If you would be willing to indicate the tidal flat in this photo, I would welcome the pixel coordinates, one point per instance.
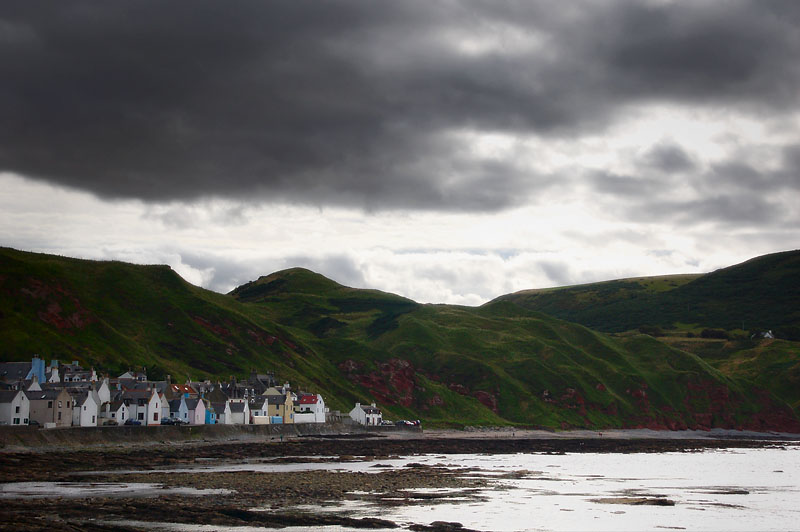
(497, 482)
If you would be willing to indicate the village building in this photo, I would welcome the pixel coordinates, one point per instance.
(144, 405)
(197, 411)
(85, 409)
(178, 409)
(14, 372)
(211, 414)
(116, 411)
(14, 408)
(223, 411)
(240, 412)
(366, 415)
(50, 407)
(259, 410)
(310, 408)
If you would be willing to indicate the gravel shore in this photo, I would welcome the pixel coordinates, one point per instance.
(296, 497)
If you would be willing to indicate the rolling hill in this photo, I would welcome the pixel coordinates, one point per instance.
(449, 365)
(759, 294)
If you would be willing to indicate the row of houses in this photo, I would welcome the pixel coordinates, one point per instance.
(62, 395)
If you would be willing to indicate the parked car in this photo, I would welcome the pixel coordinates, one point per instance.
(109, 422)
(132, 422)
(387, 423)
(34, 423)
(167, 421)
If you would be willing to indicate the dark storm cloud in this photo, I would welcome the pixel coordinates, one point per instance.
(354, 103)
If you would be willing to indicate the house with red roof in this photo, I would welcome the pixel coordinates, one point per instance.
(309, 408)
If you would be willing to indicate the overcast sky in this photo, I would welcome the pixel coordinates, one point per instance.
(447, 151)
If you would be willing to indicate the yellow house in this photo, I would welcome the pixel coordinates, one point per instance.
(280, 403)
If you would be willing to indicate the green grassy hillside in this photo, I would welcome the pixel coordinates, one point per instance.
(449, 365)
(500, 363)
(114, 316)
(761, 293)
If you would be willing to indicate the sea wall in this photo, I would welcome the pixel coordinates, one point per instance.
(30, 437)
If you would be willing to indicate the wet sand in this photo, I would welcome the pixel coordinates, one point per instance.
(264, 499)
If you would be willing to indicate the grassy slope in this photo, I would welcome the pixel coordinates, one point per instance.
(446, 364)
(496, 364)
(760, 293)
(116, 315)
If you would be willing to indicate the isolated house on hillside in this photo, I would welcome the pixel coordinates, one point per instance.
(14, 408)
(366, 415)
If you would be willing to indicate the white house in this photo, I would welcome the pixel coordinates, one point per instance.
(116, 411)
(259, 410)
(366, 415)
(310, 408)
(144, 405)
(85, 409)
(14, 407)
(240, 412)
(197, 411)
(178, 409)
(223, 411)
(103, 391)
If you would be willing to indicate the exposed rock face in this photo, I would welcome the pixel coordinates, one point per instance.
(55, 298)
(392, 382)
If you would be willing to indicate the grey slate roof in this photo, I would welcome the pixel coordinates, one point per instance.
(276, 399)
(43, 395)
(13, 371)
(6, 396)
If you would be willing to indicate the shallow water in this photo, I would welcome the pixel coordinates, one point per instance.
(28, 490)
(742, 489)
(731, 489)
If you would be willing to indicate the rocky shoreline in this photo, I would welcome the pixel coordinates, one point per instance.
(295, 498)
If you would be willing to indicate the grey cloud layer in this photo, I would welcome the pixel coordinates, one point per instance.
(352, 103)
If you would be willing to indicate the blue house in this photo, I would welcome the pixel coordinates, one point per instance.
(211, 415)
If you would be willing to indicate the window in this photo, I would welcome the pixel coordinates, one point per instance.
(59, 416)
(16, 421)
(122, 415)
(59, 404)
(113, 415)
(49, 404)
(16, 410)
(67, 404)
(141, 416)
(93, 420)
(84, 408)
(155, 416)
